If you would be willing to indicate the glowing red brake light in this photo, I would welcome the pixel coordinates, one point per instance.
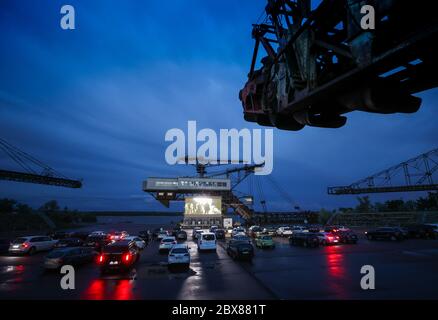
(127, 257)
(25, 245)
(101, 258)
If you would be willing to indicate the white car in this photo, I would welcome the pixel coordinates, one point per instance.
(167, 243)
(238, 230)
(198, 233)
(298, 229)
(207, 241)
(97, 234)
(162, 234)
(284, 231)
(139, 242)
(179, 255)
(32, 244)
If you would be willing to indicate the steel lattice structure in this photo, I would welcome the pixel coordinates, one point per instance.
(320, 64)
(416, 174)
(34, 171)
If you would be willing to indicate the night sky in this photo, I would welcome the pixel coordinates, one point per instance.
(96, 102)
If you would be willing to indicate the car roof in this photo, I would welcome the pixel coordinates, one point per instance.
(69, 249)
(169, 237)
(208, 233)
(31, 237)
(180, 246)
(122, 243)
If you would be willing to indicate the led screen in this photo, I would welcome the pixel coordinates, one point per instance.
(203, 205)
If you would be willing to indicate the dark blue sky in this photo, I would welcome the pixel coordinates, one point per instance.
(95, 102)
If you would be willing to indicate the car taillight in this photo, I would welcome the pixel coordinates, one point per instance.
(127, 257)
(101, 258)
(330, 238)
(25, 245)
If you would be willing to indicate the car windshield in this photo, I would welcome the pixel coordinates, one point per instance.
(115, 249)
(179, 250)
(286, 228)
(56, 254)
(19, 240)
(244, 246)
(94, 238)
(208, 237)
(168, 240)
(266, 238)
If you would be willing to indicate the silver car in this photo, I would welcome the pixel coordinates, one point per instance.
(32, 244)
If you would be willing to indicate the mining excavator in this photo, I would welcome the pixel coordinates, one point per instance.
(321, 63)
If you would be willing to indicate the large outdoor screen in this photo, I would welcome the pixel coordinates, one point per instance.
(203, 205)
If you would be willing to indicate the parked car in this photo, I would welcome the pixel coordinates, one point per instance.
(207, 241)
(69, 242)
(118, 235)
(422, 231)
(327, 238)
(241, 238)
(256, 231)
(264, 241)
(145, 235)
(315, 229)
(97, 233)
(386, 233)
(297, 229)
(83, 235)
(335, 228)
(69, 256)
(174, 231)
(305, 239)
(162, 234)
(166, 244)
(118, 256)
(435, 229)
(181, 235)
(284, 231)
(270, 231)
(213, 228)
(4, 246)
(238, 230)
(58, 235)
(197, 234)
(240, 250)
(179, 255)
(195, 229)
(32, 244)
(347, 237)
(139, 242)
(220, 233)
(156, 232)
(96, 242)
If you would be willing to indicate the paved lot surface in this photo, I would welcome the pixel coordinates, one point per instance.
(404, 270)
